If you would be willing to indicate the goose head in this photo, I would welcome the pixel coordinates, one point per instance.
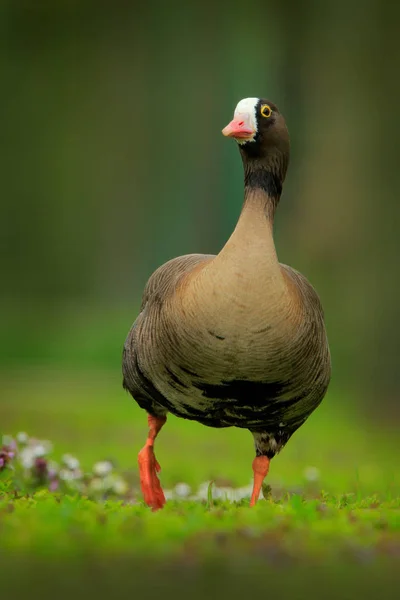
(259, 129)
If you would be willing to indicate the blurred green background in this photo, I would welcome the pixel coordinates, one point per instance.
(113, 162)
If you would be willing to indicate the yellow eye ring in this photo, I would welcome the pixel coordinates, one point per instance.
(266, 111)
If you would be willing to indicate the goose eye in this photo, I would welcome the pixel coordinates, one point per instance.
(266, 111)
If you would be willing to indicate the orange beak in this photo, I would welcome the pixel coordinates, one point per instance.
(239, 128)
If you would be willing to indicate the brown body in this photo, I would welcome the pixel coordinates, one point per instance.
(210, 324)
(235, 339)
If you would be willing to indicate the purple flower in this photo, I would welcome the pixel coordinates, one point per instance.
(53, 485)
(40, 469)
(6, 455)
(41, 466)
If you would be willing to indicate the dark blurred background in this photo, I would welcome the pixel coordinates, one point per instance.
(113, 161)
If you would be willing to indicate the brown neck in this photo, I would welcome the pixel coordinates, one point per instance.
(248, 263)
(251, 243)
(251, 246)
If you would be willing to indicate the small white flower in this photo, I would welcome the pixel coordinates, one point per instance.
(311, 473)
(70, 462)
(108, 481)
(182, 490)
(65, 475)
(39, 451)
(69, 474)
(27, 457)
(97, 484)
(22, 438)
(202, 492)
(120, 487)
(102, 468)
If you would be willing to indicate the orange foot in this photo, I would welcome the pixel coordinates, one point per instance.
(151, 487)
(260, 470)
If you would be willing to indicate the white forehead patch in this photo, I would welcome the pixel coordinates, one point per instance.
(247, 107)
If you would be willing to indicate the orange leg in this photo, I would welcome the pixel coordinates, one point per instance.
(149, 467)
(260, 469)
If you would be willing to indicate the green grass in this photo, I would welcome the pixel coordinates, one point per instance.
(328, 538)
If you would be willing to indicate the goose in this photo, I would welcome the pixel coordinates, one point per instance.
(234, 339)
